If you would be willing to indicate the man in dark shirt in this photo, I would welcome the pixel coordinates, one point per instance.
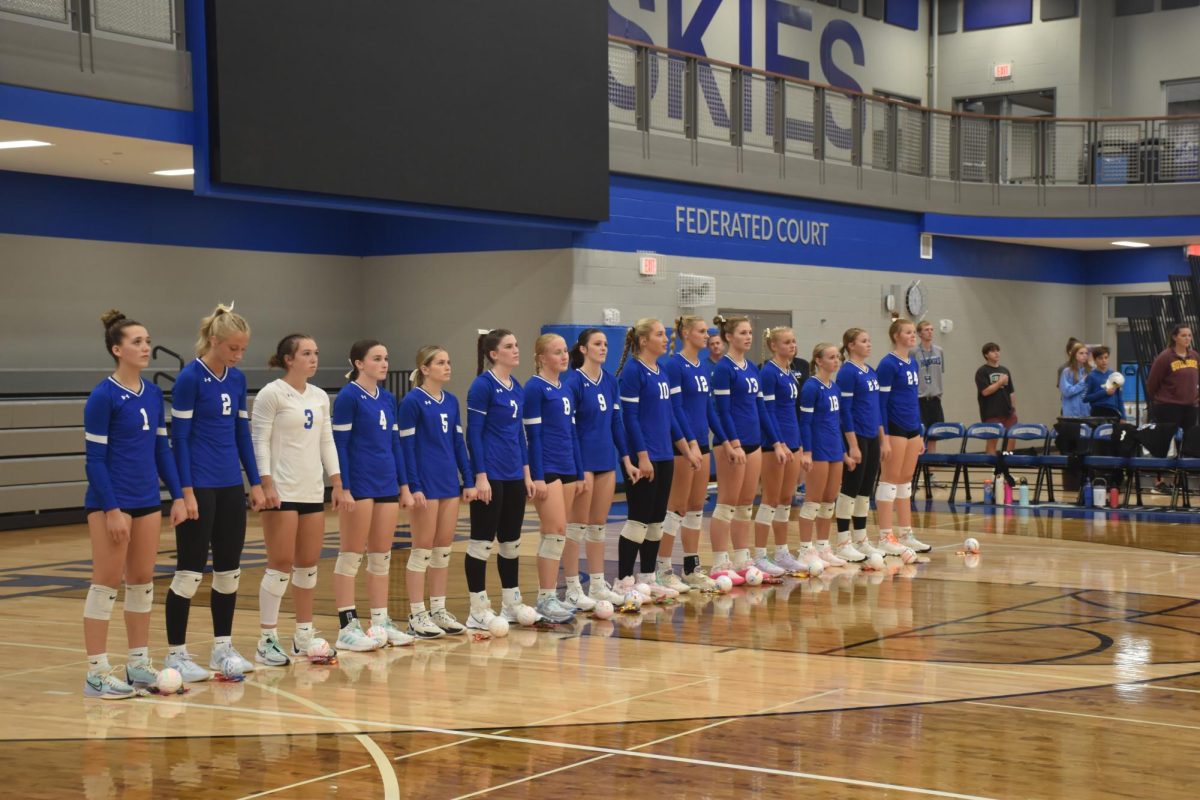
(997, 395)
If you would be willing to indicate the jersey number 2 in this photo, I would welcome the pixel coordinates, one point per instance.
(226, 405)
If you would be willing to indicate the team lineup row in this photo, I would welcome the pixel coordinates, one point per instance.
(558, 441)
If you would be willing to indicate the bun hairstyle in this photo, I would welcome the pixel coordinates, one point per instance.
(769, 337)
(897, 326)
(727, 325)
(115, 324)
(221, 323)
(585, 338)
(682, 326)
(358, 352)
(485, 345)
(424, 356)
(848, 339)
(633, 339)
(818, 351)
(285, 350)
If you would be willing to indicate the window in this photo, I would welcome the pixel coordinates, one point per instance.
(1182, 97)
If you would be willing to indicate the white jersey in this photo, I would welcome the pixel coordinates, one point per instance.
(293, 438)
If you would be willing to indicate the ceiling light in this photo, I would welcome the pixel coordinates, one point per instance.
(171, 173)
(1131, 244)
(13, 145)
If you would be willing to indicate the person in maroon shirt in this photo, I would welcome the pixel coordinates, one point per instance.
(1174, 383)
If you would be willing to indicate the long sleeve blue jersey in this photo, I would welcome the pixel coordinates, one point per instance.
(549, 419)
(821, 420)
(125, 437)
(859, 387)
(737, 392)
(650, 423)
(368, 442)
(899, 383)
(210, 428)
(494, 428)
(434, 450)
(780, 390)
(598, 420)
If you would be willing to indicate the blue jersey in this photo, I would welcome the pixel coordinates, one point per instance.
(899, 383)
(821, 420)
(598, 421)
(125, 434)
(693, 402)
(210, 428)
(860, 399)
(368, 442)
(432, 435)
(650, 423)
(780, 391)
(549, 418)
(494, 428)
(739, 400)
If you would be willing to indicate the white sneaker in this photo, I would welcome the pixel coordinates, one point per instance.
(768, 567)
(141, 674)
(480, 619)
(813, 564)
(578, 600)
(849, 553)
(890, 546)
(107, 686)
(700, 581)
(658, 592)
(625, 586)
(670, 580)
(789, 563)
(513, 612)
(601, 590)
(225, 651)
(189, 670)
(422, 626)
(302, 640)
(827, 555)
(447, 622)
(270, 653)
(353, 638)
(913, 543)
(395, 636)
(867, 549)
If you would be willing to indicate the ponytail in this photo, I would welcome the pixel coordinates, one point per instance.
(488, 342)
(358, 352)
(221, 324)
(585, 336)
(630, 345)
(633, 336)
(424, 356)
(286, 349)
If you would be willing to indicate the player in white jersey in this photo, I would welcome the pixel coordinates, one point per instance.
(293, 441)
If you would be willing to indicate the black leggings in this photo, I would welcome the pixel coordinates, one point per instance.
(647, 501)
(500, 519)
(857, 482)
(1175, 414)
(221, 526)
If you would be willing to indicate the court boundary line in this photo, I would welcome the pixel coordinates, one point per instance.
(1129, 720)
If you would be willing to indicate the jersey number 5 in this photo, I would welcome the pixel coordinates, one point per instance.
(445, 423)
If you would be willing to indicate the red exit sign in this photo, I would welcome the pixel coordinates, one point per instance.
(1002, 72)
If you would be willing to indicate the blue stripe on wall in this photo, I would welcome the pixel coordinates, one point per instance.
(980, 14)
(1151, 265)
(1110, 228)
(38, 107)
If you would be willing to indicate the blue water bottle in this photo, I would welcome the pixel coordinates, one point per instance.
(1085, 497)
(988, 490)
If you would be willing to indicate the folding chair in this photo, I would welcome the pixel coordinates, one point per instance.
(1051, 460)
(1034, 435)
(938, 432)
(979, 431)
(1093, 462)
(1138, 462)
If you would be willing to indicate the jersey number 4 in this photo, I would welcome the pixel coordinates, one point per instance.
(382, 420)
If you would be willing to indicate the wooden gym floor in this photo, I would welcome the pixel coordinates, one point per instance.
(1063, 662)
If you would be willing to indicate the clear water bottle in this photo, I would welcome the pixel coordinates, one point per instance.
(1023, 493)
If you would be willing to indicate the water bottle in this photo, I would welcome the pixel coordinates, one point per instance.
(1086, 494)
(988, 489)
(1008, 493)
(1114, 498)
(1023, 494)
(1100, 492)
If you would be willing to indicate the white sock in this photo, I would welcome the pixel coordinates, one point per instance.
(843, 537)
(379, 615)
(138, 655)
(720, 556)
(573, 582)
(479, 601)
(884, 533)
(511, 596)
(822, 544)
(663, 564)
(267, 633)
(437, 603)
(760, 552)
(268, 604)
(545, 594)
(859, 535)
(741, 555)
(597, 580)
(781, 550)
(415, 608)
(220, 640)
(304, 627)
(98, 663)
(174, 650)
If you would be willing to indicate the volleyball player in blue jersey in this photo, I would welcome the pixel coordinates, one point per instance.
(375, 474)
(556, 466)
(210, 436)
(500, 461)
(779, 481)
(899, 383)
(601, 441)
(824, 455)
(865, 440)
(691, 394)
(651, 428)
(748, 427)
(125, 435)
(439, 474)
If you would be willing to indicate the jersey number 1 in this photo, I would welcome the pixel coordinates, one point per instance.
(145, 420)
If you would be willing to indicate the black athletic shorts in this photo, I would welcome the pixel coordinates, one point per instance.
(301, 508)
(896, 430)
(132, 512)
(704, 449)
(751, 449)
(551, 477)
(391, 498)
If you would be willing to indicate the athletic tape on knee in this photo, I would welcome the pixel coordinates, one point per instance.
(275, 582)
(886, 492)
(551, 546)
(765, 515)
(440, 558)
(671, 523)
(654, 532)
(418, 559)
(226, 581)
(379, 563)
(305, 577)
(185, 583)
(139, 597)
(595, 533)
(862, 506)
(480, 549)
(826, 511)
(809, 510)
(509, 549)
(723, 512)
(99, 602)
(903, 491)
(576, 531)
(634, 531)
(783, 513)
(693, 520)
(347, 564)
(743, 513)
(844, 507)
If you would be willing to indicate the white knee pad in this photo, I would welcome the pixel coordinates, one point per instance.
(440, 558)
(185, 583)
(576, 531)
(826, 511)
(418, 559)
(693, 520)
(765, 515)
(226, 581)
(654, 532)
(671, 523)
(275, 582)
(551, 546)
(844, 507)
(903, 491)
(99, 602)
(743, 513)
(480, 549)
(809, 510)
(347, 564)
(862, 506)
(379, 563)
(886, 492)
(509, 549)
(723, 512)
(634, 531)
(783, 513)
(595, 533)
(139, 597)
(305, 577)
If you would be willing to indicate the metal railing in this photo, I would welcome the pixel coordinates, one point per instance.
(668, 92)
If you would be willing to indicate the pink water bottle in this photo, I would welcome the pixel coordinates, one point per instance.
(1007, 493)
(1114, 498)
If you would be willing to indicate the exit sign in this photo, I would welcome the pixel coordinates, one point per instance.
(1002, 72)
(648, 266)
